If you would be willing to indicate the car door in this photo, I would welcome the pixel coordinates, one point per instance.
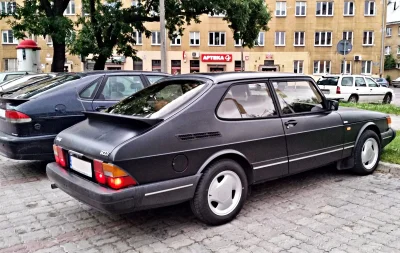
(115, 88)
(362, 90)
(314, 134)
(376, 93)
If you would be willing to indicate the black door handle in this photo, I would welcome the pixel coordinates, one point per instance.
(290, 123)
(356, 89)
(99, 108)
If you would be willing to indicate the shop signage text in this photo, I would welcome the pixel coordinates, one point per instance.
(216, 57)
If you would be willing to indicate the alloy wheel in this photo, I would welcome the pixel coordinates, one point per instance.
(370, 153)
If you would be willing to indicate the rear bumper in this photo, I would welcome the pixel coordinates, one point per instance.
(125, 200)
(343, 97)
(387, 137)
(27, 148)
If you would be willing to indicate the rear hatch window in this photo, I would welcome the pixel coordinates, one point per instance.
(158, 100)
(329, 81)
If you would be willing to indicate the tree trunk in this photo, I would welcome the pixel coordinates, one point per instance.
(58, 57)
(100, 63)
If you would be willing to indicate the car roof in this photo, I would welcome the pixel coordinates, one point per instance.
(236, 76)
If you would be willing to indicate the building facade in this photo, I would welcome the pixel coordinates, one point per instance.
(392, 36)
(302, 38)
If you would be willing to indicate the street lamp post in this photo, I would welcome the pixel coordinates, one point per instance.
(163, 37)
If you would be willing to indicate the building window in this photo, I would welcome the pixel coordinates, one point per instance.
(398, 65)
(299, 39)
(137, 36)
(369, 8)
(345, 67)
(348, 8)
(260, 40)
(301, 8)
(8, 7)
(155, 38)
(176, 41)
(323, 39)
(10, 65)
(176, 67)
(135, 3)
(70, 10)
(238, 43)
(279, 38)
(322, 67)
(388, 32)
(216, 38)
(156, 65)
(8, 37)
(298, 67)
(368, 38)
(194, 38)
(366, 67)
(348, 35)
(280, 9)
(398, 49)
(238, 67)
(49, 40)
(194, 66)
(398, 32)
(387, 50)
(138, 65)
(324, 9)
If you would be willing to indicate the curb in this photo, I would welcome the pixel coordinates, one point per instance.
(391, 168)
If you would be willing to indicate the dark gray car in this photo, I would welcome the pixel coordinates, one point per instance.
(206, 138)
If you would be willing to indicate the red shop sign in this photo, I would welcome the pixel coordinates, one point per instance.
(216, 57)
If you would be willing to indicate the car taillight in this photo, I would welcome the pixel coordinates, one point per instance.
(59, 156)
(337, 89)
(17, 117)
(113, 176)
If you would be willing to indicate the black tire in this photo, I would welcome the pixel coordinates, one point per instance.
(353, 99)
(387, 99)
(359, 168)
(199, 204)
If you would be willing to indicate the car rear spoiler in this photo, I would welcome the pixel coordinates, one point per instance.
(117, 118)
(14, 101)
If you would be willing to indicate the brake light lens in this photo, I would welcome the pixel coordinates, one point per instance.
(111, 175)
(337, 89)
(17, 117)
(59, 156)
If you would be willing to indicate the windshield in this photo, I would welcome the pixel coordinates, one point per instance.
(41, 86)
(328, 81)
(158, 100)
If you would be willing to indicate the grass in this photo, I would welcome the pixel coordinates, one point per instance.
(391, 153)
(385, 108)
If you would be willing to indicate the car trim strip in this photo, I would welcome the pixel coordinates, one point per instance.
(318, 129)
(387, 137)
(269, 165)
(309, 156)
(167, 190)
(349, 147)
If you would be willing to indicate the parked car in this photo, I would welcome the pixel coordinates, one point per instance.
(32, 115)
(354, 88)
(382, 82)
(23, 80)
(6, 76)
(396, 82)
(206, 137)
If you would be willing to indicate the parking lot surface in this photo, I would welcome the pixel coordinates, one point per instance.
(318, 211)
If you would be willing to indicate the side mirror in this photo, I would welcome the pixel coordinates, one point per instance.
(333, 105)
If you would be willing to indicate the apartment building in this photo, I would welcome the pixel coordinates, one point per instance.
(302, 38)
(392, 34)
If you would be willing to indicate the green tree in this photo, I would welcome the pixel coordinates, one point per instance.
(43, 17)
(110, 27)
(390, 62)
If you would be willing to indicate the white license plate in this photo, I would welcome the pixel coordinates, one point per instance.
(2, 113)
(80, 166)
(325, 91)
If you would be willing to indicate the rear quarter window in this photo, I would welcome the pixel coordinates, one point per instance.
(329, 81)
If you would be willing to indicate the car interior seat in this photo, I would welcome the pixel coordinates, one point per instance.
(117, 91)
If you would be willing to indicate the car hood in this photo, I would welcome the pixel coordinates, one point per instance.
(353, 115)
(97, 136)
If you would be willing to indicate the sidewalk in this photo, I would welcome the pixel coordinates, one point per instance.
(395, 122)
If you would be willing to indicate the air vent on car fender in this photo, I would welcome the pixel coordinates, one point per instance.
(196, 136)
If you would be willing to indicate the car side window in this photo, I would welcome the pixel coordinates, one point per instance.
(360, 82)
(298, 97)
(347, 81)
(120, 87)
(247, 101)
(371, 83)
(153, 79)
(89, 91)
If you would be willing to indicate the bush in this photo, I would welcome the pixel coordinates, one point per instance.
(389, 79)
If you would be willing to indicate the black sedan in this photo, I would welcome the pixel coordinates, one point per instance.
(32, 113)
(206, 138)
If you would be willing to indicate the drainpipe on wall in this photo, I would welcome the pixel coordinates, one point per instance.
(382, 57)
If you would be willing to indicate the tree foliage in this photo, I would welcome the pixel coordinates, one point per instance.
(390, 62)
(110, 27)
(42, 18)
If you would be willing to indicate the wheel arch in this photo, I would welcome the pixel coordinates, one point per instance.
(356, 95)
(233, 155)
(368, 126)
